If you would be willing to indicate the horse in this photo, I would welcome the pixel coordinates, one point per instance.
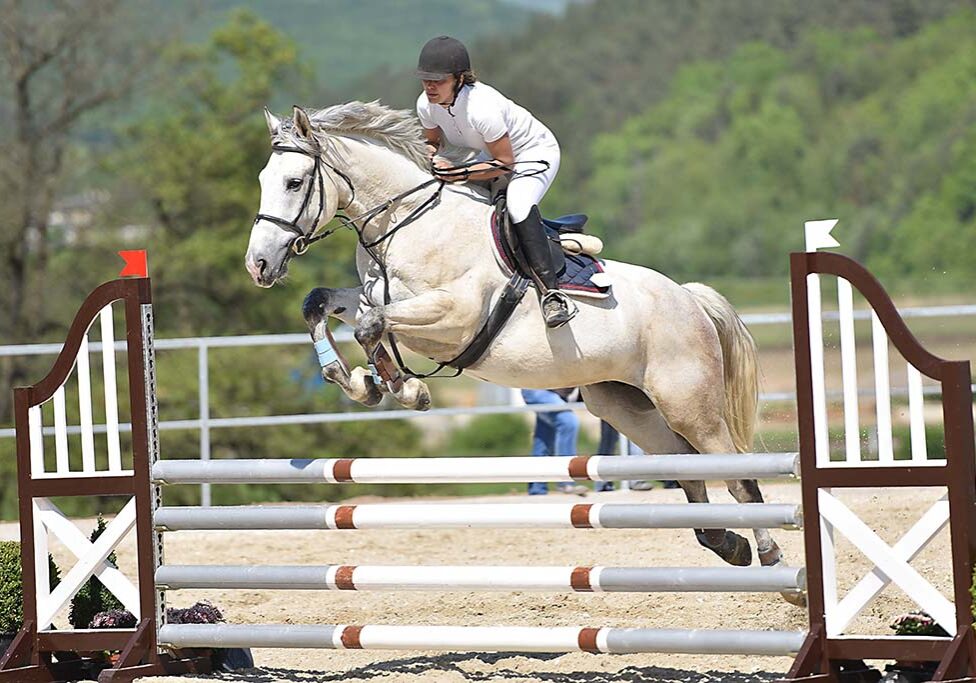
(670, 366)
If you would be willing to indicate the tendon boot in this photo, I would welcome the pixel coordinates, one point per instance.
(535, 247)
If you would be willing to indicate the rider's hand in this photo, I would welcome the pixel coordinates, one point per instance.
(446, 171)
(431, 150)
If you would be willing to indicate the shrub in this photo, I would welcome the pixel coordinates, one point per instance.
(93, 597)
(12, 587)
(202, 612)
(492, 435)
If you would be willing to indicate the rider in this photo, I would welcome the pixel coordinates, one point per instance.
(456, 108)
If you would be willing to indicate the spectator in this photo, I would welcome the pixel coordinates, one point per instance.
(610, 445)
(554, 434)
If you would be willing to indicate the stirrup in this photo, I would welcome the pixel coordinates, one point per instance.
(571, 308)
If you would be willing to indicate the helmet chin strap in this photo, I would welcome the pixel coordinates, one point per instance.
(459, 83)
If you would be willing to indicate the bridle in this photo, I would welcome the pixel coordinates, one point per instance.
(303, 240)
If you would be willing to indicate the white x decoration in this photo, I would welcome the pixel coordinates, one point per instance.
(891, 564)
(91, 559)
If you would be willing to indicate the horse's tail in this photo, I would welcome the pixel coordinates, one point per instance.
(741, 363)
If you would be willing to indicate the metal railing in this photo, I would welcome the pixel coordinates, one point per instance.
(204, 423)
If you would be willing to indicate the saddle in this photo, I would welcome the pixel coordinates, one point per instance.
(579, 274)
(578, 271)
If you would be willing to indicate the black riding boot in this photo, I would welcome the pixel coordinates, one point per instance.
(535, 247)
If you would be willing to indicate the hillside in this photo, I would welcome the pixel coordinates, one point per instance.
(716, 178)
(344, 39)
(815, 76)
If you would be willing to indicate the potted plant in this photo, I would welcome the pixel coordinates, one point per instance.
(222, 659)
(906, 671)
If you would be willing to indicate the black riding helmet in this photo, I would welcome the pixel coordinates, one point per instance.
(442, 57)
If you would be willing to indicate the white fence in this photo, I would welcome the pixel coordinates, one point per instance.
(204, 423)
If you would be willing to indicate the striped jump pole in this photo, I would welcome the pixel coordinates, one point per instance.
(476, 470)
(482, 516)
(483, 638)
(493, 578)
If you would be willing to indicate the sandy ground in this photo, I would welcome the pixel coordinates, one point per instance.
(888, 515)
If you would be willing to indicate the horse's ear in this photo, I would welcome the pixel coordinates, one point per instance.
(302, 123)
(273, 121)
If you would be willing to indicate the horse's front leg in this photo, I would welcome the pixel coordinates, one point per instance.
(321, 304)
(431, 315)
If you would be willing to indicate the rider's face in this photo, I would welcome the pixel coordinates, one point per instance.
(440, 92)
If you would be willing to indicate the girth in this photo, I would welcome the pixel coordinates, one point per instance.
(509, 300)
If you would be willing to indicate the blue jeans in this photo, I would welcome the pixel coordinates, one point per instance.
(609, 445)
(555, 432)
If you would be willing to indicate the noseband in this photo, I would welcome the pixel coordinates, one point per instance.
(303, 240)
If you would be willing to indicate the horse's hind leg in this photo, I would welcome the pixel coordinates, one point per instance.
(747, 491)
(631, 412)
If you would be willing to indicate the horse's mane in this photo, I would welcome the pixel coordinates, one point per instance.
(397, 129)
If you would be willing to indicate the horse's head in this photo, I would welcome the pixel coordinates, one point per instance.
(299, 194)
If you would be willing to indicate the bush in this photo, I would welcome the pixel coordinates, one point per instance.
(114, 618)
(12, 587)
(500, 434)
(203, 612)
(93, 597)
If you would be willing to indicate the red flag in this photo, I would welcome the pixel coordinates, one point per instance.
(135, 263)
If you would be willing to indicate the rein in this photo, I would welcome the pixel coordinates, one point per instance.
(511, 294)
(303, 240)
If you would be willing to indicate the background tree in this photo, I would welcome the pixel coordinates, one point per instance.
(189, 169)
(59, 62)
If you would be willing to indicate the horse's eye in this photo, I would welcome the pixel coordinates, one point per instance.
(293, 183)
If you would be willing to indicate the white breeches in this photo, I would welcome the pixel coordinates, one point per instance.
(526, 191)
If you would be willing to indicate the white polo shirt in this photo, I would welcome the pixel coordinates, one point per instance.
(480, 115)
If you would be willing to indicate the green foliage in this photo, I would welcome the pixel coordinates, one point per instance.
(934, 442)
(500, 434)
(93, 597)
(917, 624)
(715, 178)
(345, 39)
(972, 592)
(194, 161)
(254, 381)
(12, 588)
(608, 60)
(697, 136)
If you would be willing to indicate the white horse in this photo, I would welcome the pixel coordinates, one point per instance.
(671, 366)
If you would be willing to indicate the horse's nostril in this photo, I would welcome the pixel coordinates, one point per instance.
(262, 266)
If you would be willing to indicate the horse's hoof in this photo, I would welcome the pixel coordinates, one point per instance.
(798, 599)
(423, 401)
(363, 389)
(734, 548)
(418, 393)
(770, 557)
